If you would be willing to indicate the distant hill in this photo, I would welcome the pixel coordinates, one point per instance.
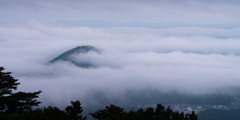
(80, 50)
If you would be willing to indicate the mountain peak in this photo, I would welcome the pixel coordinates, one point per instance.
(67, 56)
(83, 49)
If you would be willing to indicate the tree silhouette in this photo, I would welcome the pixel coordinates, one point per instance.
(14, 102)
(113, 112)
(75, 110)
(18, 105)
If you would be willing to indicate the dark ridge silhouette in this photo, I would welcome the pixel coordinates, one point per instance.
(67, 56)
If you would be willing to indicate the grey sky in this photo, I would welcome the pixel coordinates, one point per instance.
(190, 11)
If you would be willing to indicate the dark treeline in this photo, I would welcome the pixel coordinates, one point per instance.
(18, 106)
(72, 112)
(114, 112)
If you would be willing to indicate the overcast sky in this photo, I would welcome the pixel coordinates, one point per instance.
(194, 49)
(150, 11)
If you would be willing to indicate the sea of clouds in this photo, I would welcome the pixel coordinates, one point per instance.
(190, 60)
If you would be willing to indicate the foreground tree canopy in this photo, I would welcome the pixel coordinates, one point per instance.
(11, 102)
(18, 106)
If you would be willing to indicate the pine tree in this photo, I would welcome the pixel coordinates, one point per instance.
(14, 102)
(75, 110)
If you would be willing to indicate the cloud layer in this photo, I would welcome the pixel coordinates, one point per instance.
(195, 62)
